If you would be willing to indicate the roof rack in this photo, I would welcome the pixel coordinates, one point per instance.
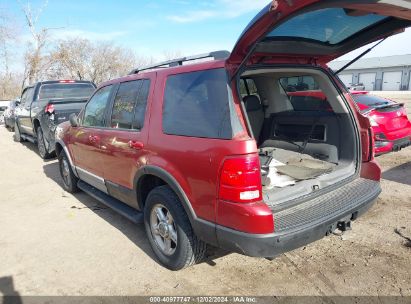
(217, 55)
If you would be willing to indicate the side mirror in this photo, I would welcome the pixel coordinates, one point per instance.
(73, 120)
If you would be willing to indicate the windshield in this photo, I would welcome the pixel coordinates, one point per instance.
(330, 26)
(66, 90)
(370, 100)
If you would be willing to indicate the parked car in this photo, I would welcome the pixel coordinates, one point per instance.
(389, 120)
(3, 107)
(201, 159)
(9, 114)
(45, 105)
(357, 87)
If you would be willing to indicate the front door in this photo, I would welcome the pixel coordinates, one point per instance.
(123, 143)
(24, 115)
(86, 141)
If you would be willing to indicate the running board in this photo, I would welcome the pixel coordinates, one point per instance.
(121, 208)
(28, 138)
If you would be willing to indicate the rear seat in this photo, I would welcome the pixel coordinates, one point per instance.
(326, 150)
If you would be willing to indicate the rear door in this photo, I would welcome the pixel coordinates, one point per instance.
(86, 139)
(318, 31)
(123, 143)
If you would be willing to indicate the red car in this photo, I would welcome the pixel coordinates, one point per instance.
(214, 153)
(389, 120)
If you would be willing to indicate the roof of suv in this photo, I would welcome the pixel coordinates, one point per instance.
(170, 70)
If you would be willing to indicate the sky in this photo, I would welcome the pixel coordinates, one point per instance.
(151, 28)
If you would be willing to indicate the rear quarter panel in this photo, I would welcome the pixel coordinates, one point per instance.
(193, 162)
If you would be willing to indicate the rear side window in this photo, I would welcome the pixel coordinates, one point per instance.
(96, 107)
(248, 88)
(200, 104)
(305, 94)
(130, 105)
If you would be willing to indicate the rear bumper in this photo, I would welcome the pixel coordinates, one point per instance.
(387, 146)
(285, 239)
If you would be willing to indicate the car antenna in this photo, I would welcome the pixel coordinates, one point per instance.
(359, 57)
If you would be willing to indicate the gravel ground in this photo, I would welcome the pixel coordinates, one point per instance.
(54, 243)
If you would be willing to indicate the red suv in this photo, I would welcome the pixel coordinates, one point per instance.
(213, 153)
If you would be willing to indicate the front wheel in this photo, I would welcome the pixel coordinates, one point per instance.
(67, 175)
(169, 230)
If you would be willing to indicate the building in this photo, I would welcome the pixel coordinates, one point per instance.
(391, 73)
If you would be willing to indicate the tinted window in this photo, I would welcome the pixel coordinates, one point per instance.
(305, 94)
(331, 25)
(199, 104)
(371, 100)
(130, 105)
(140, 111)
(95, 108)
(66, 90)
(123, 108)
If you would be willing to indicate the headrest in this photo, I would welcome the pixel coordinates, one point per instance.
(252, 103)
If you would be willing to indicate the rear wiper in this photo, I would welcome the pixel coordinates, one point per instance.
(359, 57)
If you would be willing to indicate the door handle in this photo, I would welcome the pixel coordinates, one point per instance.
(135, 145)
(93, 139)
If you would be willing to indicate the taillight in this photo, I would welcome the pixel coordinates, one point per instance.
(67, 81)
(240, 180)
(49, 109)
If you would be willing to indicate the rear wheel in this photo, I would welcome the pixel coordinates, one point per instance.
(42, 144)
(67, 175)
(17, 135)
(169, 230)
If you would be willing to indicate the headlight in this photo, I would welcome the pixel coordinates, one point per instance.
(59, 132)
(373, 122)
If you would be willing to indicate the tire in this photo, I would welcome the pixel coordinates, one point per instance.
(17, 135)
(41, 145)
(175, 228)
(67, 175)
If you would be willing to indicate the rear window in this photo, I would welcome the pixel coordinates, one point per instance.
(66, 90)
(305, 94)
(329, 26)
(370, 100)
(200, 104)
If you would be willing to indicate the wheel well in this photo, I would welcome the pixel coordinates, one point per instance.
(147, 183)
(36, 124)
(58, 149)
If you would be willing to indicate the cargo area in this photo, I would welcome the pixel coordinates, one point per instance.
(303, 128)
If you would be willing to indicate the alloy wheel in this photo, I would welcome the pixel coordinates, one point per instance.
(163, 229)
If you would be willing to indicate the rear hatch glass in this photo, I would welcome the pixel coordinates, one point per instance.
(329, 26)
(318, 30)
(375, 102)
